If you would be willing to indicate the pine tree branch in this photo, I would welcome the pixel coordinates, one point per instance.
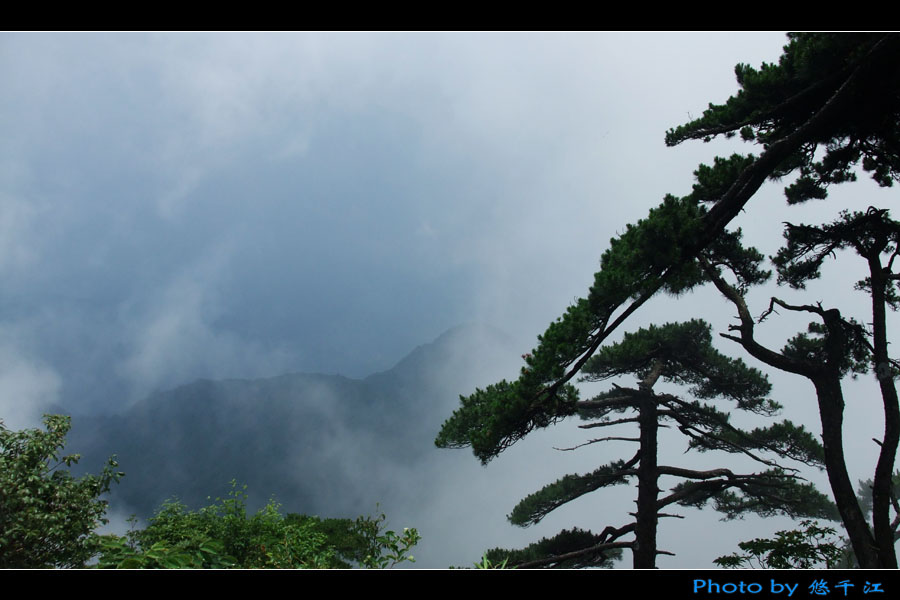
(798, 308)
(575, 554)
(715, 486)
(608, 535)
(753, 177)
(608, 423)
(597, 339)
(786, 106)
(773, 113)
(889, 269)
(540, 399)
(746, 339)
(594, 441)
(702, 475)
(688, 428)
(614, 402)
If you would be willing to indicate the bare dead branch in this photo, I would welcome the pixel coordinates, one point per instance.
(594, 441)
(608, 423)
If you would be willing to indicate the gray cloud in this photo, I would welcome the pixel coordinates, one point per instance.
(175, 206)
(28, 387)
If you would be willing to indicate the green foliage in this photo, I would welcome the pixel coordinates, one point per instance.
(776, 100)
(811, 547)
(571, 542)
(355, 542)
(831, 103)
(657, 244)
(813, 346)
(864, 493)
(768, 494)
(119, 553)
(685, 355)
(536, 506)
(871, 233)
(655, 253)
(682, 353)
(486, 563)
(744, 263)
(784, 438)
(47, 516)
(222, 535)
(492, 419)
(384, 548)
(713, 182)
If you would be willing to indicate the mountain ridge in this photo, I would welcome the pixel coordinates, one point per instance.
(321, 443)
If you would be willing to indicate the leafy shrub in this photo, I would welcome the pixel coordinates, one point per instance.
(222, 536)
(47, 516)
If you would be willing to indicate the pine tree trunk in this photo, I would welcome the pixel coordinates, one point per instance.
(648, 491)
(831, 410)
(884, 470)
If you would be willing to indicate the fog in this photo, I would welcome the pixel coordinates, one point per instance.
(176, 206)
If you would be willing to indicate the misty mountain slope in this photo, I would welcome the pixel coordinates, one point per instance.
(321, 444)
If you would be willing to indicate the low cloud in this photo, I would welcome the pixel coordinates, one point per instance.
(173, 337)
(28, 387)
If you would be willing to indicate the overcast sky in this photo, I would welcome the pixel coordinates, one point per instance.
(176, 206)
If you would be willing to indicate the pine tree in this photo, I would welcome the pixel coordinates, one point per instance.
(853, 78)
(871, 235)
(836, 92)
(681, 353)
(837, 346)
